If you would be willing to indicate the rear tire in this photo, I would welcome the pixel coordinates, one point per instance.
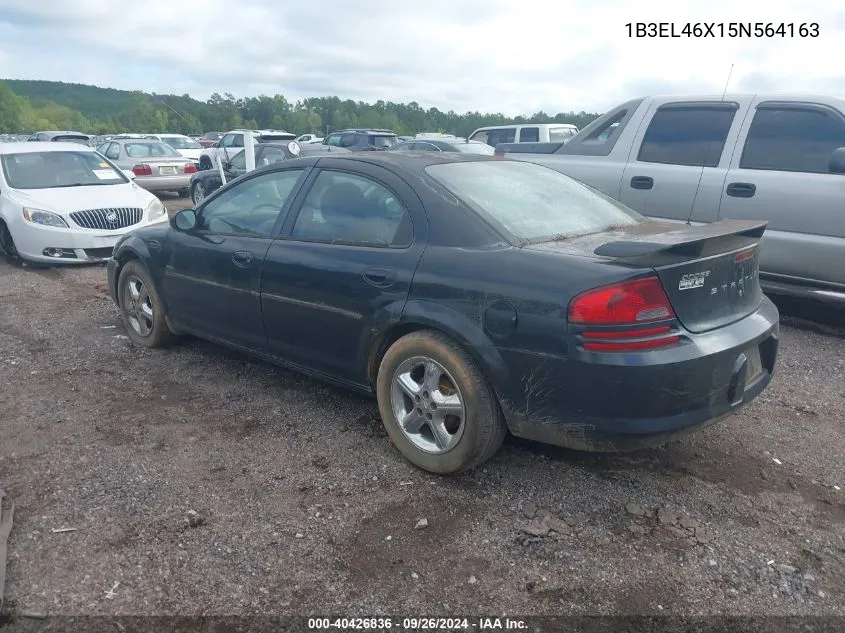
(436, 405)
(141, 307)
(197, 193)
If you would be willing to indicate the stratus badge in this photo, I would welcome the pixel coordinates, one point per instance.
(693, 280)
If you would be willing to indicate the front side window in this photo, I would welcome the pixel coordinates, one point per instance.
(333, 140)
(48, 170)
(348, 140)
(251, 207)
(349, 209)
(227, 140)
(504, 135)
(693, 136)
(530, 202)
(791, 139)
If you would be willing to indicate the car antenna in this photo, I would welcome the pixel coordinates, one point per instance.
(701, 173)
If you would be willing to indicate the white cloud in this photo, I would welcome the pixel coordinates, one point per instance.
(487, 55)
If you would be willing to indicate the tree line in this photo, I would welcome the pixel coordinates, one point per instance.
(29, 106)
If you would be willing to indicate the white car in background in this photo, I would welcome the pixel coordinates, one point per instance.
(309, 138)
(185, 145)
(65, 203)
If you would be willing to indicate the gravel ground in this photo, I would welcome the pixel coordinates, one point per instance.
(200, 481)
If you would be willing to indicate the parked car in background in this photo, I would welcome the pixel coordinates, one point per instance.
(63, 203)
(156, 165)
(185, 145)
(309, 138)
(207, 181)
(422, 280)
(209, 139)
(702, 158)
(61, 136)
(362, 140)
(233, 142)
(527, 133)
(404, 138)
(440, 144)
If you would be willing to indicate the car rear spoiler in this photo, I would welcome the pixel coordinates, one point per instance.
(687, 242)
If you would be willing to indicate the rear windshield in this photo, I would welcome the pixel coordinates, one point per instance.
(48, 170)
(560, 133)
(150, 150)
(475, 148)
(177, 142)
(72, 138)
(380, 142)
(530, 202)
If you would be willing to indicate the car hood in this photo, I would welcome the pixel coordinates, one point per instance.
(68, 199)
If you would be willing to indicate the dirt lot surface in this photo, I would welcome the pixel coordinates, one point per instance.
(200, 481)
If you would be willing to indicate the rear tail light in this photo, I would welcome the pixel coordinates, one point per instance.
(632, 303)
(744, 255)
(499, 154)
(190, 168)
(142, 170)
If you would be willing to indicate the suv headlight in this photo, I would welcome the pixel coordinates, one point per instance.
(39, 216)
(155, 210)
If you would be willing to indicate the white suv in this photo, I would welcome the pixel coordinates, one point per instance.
(527, 133)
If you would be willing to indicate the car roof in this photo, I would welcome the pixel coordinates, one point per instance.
(61, 132)
(136, 139)
(25, 147)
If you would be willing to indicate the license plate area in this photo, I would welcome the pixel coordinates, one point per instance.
(755, 365)
(167, 171)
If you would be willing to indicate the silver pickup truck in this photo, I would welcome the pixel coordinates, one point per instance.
(698, 159)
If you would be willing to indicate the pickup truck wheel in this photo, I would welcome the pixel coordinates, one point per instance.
(436, 405)
(141, 307)
(205, 163)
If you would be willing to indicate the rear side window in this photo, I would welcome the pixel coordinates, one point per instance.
(529, 135)
(693, 136)
(348, 140)
(792, 139)
(350, 209)
(558, 134)
(381, 141)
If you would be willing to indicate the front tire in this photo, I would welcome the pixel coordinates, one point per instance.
(7, 244)
(184, 193)
(141, 307)
(205, 163)
(436, 405)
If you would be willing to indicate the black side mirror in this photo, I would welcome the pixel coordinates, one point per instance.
(837, 161)
(185, 220)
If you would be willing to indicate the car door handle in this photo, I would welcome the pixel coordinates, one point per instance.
(242, 259)
(379, 276)
(741, 190)
(642, 182)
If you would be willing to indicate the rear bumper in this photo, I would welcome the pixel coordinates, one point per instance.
(164, 183)
(601, 401)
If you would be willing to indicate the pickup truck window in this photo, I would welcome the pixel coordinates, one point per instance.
(558, 134)
(503, 135)
(529, 135)
(792, 139)
(684, 135)
(601, 134)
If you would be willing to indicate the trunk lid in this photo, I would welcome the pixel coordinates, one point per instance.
(710, 273)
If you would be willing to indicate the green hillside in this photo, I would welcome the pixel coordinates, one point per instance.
(30, 105)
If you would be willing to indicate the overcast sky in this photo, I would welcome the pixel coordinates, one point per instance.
(514, 57)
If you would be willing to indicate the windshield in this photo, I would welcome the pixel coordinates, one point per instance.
(561, 133)
(475, 148)
(47, 170)
(177, 142)
(532, 203)
(382, 142)
(150, 150)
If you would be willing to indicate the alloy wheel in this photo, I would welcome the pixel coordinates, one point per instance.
(428, 405)
(139, 307)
